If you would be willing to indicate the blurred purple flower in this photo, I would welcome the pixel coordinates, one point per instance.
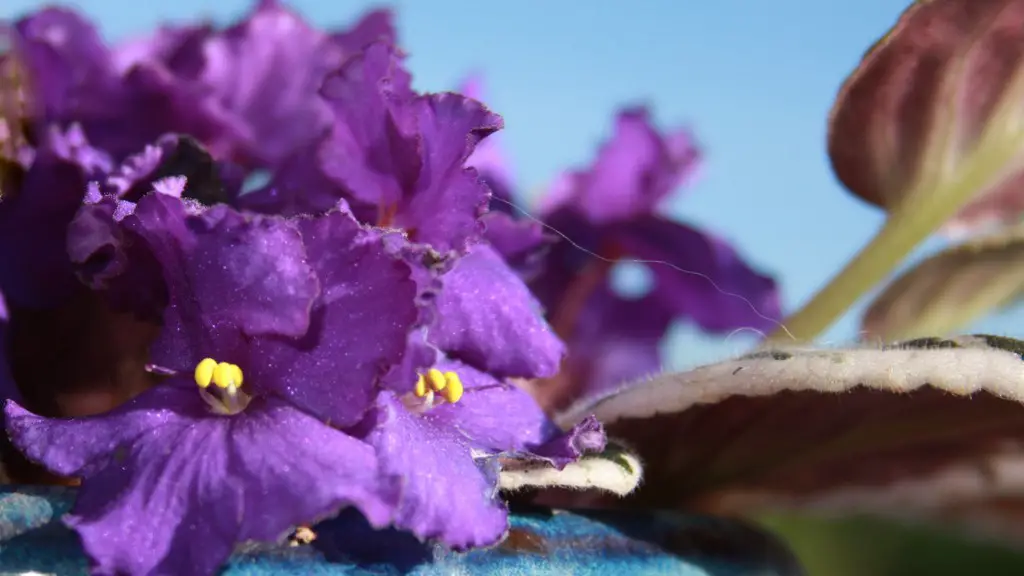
(610, 210)
(247, 92)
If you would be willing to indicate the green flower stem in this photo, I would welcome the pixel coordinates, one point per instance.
(890, 246)
(922, 212)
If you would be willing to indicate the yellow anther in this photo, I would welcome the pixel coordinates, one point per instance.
(437, 379)
(452, 392)
(204, 372)
(421, 387)
(227, 375)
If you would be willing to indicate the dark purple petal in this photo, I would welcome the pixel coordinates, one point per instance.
(225, 272)
(297, 187)
(633, 172)
(228, 479)
(359, 328)
(492, 415)
(441, 491)
(266, 71)
(36, 213)
(373, 149)
(704, 279)
(445, 208)
(75, 80)
(487, 317)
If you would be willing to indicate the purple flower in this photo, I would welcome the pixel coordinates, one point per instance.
(610, 210)
(266, 72)
(249, 93)
(75, 79)
(287, 326)
(396, 156)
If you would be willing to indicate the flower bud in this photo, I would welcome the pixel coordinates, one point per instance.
(935, 111)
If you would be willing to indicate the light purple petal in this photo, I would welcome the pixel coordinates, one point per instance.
(493, 415)
(441, 491)
(360, 323)
(37, 214)
(488, 318)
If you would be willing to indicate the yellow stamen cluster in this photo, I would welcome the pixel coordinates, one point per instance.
(446, 384)
(220, 374)
(226, 396)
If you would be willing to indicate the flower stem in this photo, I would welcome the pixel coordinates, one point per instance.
(926, 207)
(902, 232)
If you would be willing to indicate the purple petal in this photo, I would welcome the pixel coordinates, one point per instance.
(297, 187)
(445, 208)
(704, 279)
(376, 25)
(372, 150)
(492, 415)
(587, 436)
(266, 71)
(488, 157)
(488, 318)
(75, 79)
(360, 323)
(227, 479)
(441, 491)
(224, 271)
(37, 214)
(633, 172)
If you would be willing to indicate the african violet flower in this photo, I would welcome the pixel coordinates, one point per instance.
(395, 155)
(287, 326)
(247, 92)
(607, 214)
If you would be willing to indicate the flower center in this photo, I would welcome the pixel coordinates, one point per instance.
(225, 396)
(434, 388)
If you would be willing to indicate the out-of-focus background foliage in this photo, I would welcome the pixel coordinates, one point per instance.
(754, 80)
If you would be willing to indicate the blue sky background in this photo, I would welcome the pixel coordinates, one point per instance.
(754, 80)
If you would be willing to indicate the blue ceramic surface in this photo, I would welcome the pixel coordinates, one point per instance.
(579, 543)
